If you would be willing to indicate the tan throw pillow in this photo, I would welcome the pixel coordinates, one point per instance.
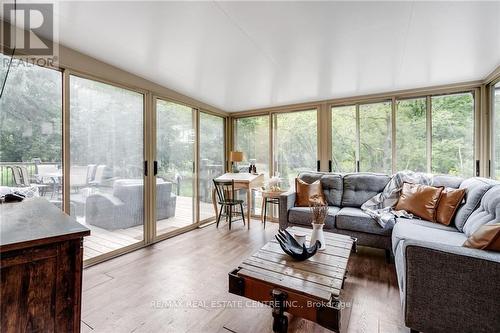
(487, 237)
(306, 192)
(448, 204)
(420, 200)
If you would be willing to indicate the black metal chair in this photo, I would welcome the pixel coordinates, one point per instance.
(226, 199)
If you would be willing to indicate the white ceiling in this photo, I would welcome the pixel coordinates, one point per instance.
(245, 55)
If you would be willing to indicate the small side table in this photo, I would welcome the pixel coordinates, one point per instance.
(269, 197)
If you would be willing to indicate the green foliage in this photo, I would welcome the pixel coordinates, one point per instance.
(107, 128)
(106, 125)
(344, 139)
(175, 143)
(295, 142)
(453, 134)
(31, 114)
(411, 144)
(375, 137)
(252, 138)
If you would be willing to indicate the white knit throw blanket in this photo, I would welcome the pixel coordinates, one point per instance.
(380, 207)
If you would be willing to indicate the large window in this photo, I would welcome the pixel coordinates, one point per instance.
(251, 136)
(453, 134)
(375, 152)
(495, 173)
(366, 149)
(175, 143)
(31, 130)
(211, 165)
(344, 142)
(448, 144)
(106, 170)
(411, 147)
(295, 144)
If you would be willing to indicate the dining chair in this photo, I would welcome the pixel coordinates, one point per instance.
(225, 198)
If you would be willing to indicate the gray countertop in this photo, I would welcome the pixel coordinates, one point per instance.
(35, 222)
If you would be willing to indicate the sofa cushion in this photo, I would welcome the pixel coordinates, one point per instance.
(451, 199)
(303, 216)
(446, 181)
(487, 237)
(310, 177)
(354, 219)
(306, 193)
(360, 187)
(475, 189)
(332, 184)
(420, 200)
(332, 188)
(487, 213)
(425, 231)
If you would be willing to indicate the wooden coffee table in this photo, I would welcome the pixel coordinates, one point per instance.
(310, 289)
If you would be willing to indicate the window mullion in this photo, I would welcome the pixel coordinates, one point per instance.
(358, 140)
(429, 133)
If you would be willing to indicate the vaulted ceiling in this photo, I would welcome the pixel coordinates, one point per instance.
(245, 55)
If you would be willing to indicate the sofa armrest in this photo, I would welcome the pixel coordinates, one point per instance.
(287, 201)
(451, 288)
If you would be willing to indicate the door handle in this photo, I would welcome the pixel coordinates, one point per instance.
(146, 168)
(155, 168)
(318, 165)
(330, 166)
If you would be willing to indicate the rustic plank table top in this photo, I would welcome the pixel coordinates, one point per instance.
(320, 276)
(317, 280)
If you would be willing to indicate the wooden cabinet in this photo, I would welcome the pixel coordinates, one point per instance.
(41, 259)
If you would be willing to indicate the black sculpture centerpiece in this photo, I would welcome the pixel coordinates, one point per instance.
(291, 247)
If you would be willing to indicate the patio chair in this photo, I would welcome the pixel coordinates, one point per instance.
(225, 198)
(78, 177)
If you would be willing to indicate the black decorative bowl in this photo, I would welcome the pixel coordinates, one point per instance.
(291, 247)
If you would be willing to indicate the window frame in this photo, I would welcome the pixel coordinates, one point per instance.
(493, 114)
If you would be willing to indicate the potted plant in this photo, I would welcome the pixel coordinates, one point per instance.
(319, 210)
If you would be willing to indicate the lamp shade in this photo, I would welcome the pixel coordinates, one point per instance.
(236, 156)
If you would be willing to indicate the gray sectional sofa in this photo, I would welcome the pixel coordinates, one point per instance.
(444, 286)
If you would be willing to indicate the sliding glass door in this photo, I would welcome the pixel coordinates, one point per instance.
(175, 155)
(211, 159)
(295, 141)
(106, 165)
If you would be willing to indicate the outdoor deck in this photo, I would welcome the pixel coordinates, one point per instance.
(103, 241)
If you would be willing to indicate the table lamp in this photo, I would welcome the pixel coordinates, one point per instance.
(235, 156)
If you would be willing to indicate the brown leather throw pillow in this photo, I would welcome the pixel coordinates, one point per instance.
(448, 204)
(487, 237)
(306, 192)
(420, 200)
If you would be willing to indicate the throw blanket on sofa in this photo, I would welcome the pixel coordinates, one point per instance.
(380, 207)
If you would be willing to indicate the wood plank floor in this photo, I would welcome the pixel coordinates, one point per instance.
(180, 285)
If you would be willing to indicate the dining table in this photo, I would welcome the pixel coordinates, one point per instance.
(242, 180)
